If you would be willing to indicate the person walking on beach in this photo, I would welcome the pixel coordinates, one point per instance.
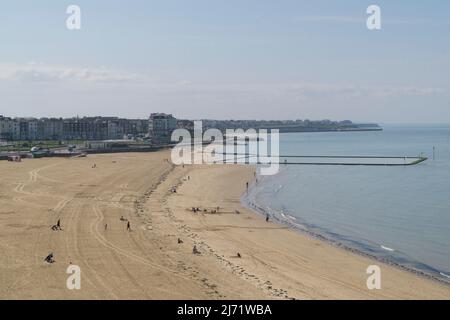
(58, 224)
(267, 218)
(106, 226)
(247, 186)
(128, 226)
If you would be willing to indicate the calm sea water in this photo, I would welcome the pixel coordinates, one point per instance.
(397, 213)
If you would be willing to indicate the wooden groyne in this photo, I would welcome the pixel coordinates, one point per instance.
(352, 163)
(407, 160)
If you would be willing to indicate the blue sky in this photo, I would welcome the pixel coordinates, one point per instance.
(227, 59)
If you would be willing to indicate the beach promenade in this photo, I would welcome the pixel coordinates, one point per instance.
(241, 255)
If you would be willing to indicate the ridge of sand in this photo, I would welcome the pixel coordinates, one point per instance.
(148, 262)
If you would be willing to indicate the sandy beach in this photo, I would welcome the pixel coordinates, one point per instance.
(148, 262)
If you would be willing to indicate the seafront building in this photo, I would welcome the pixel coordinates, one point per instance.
(160, 128)
(86, 128)
(157, 129)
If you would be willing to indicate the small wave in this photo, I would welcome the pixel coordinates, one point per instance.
(292, 218)
(444, 275)
(387, 249)
(278, 189)
(272, 211)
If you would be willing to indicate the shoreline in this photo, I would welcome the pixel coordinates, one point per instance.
(441, 279)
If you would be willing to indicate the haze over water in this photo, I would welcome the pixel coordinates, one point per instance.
(398, 213)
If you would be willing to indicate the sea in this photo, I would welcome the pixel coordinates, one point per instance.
(398, 214)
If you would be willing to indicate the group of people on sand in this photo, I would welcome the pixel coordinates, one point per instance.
(123, 220)
(57, 227)
(128, 223)
(194, 249)
(197, 209)
(50, 257)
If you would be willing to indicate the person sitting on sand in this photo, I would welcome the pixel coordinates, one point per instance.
(239, 255)
(180, 241)
(58, 224)
(49, 258)
(195, 250)
(237, 211)
(122, 219)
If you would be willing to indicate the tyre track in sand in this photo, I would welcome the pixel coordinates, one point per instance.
(74, 250)
(94, 229)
